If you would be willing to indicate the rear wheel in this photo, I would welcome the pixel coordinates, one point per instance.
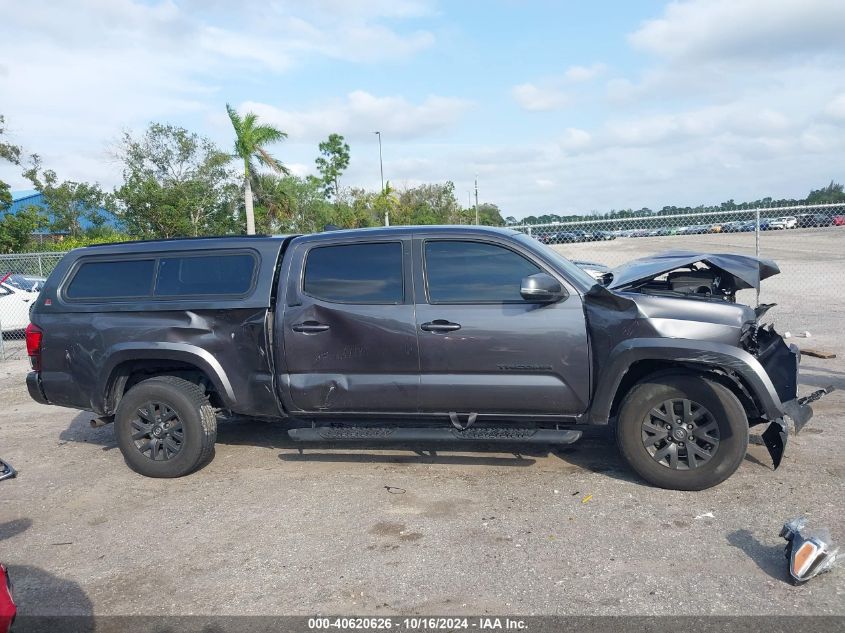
(682, 432)
(165, 427)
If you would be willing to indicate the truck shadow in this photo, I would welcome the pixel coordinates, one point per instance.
(79, 430)
(594, 452)
(815, 377)
(14, 527)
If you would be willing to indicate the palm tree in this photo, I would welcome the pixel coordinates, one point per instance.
(250, 139)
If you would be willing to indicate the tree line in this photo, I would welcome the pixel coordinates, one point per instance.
(176, 182)
(832, 193)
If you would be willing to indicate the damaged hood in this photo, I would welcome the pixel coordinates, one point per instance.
(746, 270)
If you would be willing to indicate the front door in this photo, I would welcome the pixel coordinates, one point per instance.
(348, 329)
(485, 349)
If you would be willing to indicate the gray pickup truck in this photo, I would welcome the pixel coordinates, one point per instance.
(414, 334)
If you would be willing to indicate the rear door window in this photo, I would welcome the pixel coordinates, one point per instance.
(355, 273)
(206, 275)
(112, 280)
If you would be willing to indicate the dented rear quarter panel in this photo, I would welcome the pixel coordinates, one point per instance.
(85, 342)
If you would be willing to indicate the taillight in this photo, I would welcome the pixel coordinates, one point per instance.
(33, 345)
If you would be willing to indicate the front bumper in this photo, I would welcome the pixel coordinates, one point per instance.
(35, 388)
(799, 411)
(781, 362)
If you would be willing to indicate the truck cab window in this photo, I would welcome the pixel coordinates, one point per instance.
(355, 273)
(474, 272)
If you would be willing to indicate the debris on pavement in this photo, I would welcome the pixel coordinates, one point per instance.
(817, 353)
(395, 490)
(706, 515)
(809, 552)
(587, 499)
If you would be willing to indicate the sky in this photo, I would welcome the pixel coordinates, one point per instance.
(557, 107)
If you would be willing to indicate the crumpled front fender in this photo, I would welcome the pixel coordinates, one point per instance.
(683, 351)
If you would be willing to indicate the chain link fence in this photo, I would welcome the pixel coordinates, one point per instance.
(807, 242)
(21, 277)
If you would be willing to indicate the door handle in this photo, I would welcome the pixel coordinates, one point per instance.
(440, 325)
(309, 327)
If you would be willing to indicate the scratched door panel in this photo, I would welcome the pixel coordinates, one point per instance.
(366, 361)
(350, 342)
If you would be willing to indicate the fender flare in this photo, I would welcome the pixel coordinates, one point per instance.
(183, 352)
(701, 353)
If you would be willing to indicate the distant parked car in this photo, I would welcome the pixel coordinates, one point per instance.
(14, 305)
(602, 236)
(26, 282)
(839, 220)
(568, 237)
(694, 229)
(746, 226)
(731, 227)
(807, 220)
(786, 222)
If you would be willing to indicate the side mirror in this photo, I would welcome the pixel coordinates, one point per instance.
(542, 287)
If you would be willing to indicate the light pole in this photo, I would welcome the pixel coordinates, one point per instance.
(476, 199)
(381, 171)
(380, 163)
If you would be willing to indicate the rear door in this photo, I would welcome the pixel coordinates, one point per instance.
(348, 329)
(485, 349)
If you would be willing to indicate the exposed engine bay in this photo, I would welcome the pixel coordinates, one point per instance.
(693, 275)
(698, 282)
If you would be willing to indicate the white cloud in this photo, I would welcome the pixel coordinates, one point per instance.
(84, 71)
(300, 169)
(555, 92)
(742, 30)
(835, 109)
(734, 99)
(361, 113)
(651, 130)
(575, 140)
(536, 99)
(584, 73)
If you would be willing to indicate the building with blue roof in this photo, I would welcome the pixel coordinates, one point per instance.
(30, 197)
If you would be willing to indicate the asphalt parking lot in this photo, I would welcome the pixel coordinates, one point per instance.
(265, 529)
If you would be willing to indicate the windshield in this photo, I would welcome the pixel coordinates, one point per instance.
(32, 284)
(573, 273)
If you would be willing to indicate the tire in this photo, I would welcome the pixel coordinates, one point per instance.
(719, 432)
(184, 446)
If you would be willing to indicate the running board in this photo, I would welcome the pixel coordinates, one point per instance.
(433, 434)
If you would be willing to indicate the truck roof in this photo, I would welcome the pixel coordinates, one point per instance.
(240, 241)
(424, 228)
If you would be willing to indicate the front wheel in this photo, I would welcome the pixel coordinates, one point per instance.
(682, 432)
(165, 427)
